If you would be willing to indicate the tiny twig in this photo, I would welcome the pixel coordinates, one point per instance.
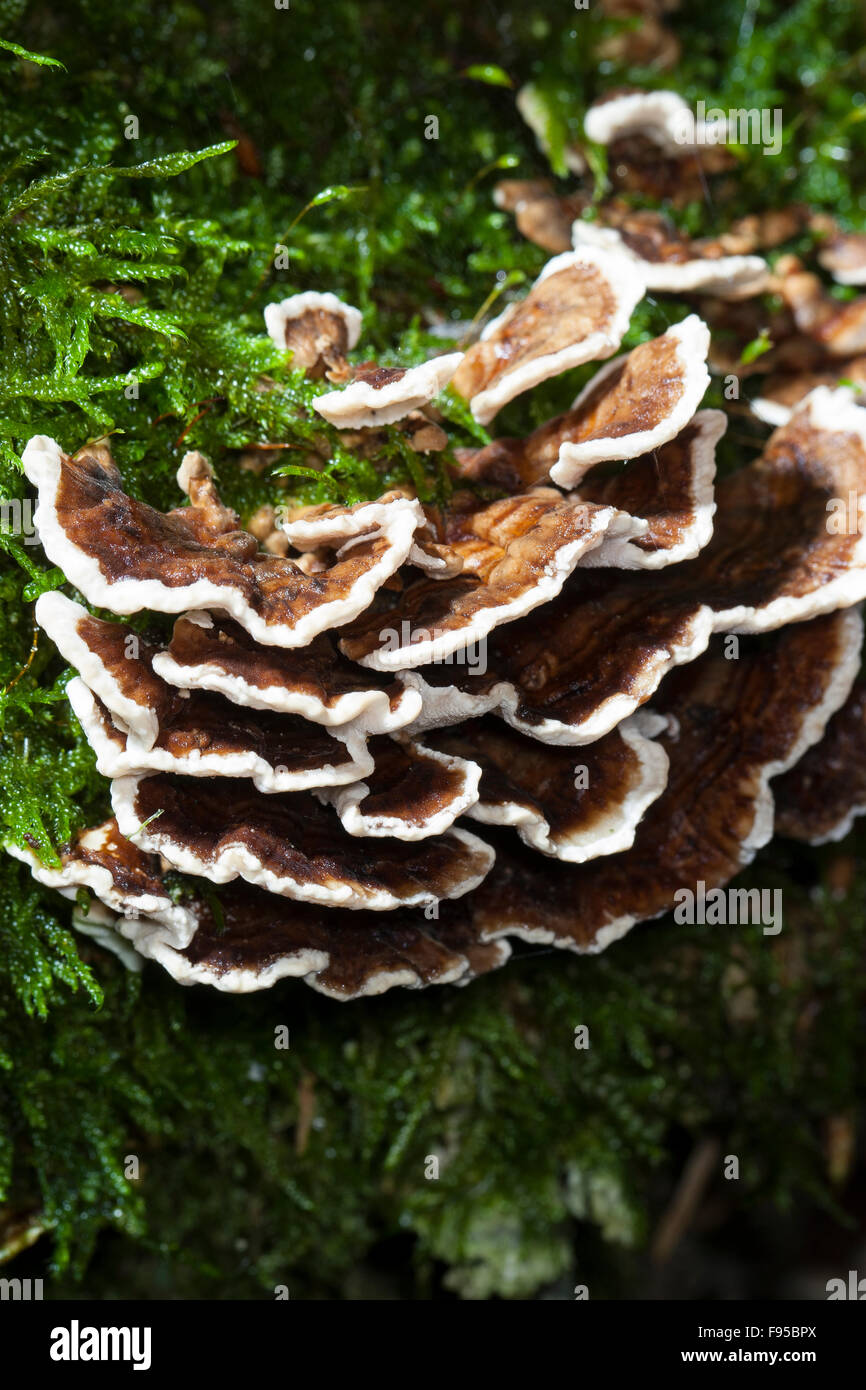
(205, 407)
(26, 667)
(265, 447)
(306, 1111)
(686, 1199)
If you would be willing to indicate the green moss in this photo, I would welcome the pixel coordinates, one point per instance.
(130, 303)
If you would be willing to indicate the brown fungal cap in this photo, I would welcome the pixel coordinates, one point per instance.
(329, 526)
(290, 844)
(783, 547)
(119, 874)
(671, 489)
(844, 255)
(315, 681)
(318, 330)
(637, 165)
(663, 118)
(125, 556)
(578, 309)
(422, 434)
(822, 795)
(570, 672)
(409, 793)
(380, 395)
(509, 194)
(412, 792)
(737, 724)
(135, 721)
(253, 938)
(631, 406)
(779, 552)
(434, 556)
(115, 662)
(260, 939)
(517, 553)
(762, 230)
(570, 810)
(549, 219)
(669, 260)
(637, 402)
(782, 392)
(735, 324)
(207, 736)
(542, 215)
(838, 328)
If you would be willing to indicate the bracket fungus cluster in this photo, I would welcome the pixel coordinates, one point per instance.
(656, 146)
(536, 710)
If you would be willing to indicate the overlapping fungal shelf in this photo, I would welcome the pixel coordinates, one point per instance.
(657, 149)
(423, 731)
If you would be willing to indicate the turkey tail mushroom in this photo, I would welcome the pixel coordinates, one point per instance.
(309, 744)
